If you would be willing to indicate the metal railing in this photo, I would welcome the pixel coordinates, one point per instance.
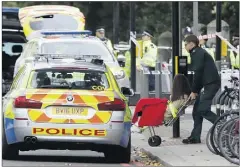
(163, 80)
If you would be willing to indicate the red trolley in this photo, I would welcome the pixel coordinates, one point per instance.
(150, 112)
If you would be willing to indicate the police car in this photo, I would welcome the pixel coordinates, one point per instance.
(71, 42)
(59, 103)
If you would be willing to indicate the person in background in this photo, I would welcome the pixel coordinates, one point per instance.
(187, 31)
(100, 33)
(127, 55)
(179, 94)
(202, 44)
(149, 57)
(234, 57)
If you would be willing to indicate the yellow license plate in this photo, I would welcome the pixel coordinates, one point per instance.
(75, 111)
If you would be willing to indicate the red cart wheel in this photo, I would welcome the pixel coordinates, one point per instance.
(155, 141)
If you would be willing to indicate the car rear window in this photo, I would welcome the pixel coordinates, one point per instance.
(54, 21)
(69, 79)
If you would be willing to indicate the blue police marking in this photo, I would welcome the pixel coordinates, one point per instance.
(10, 10)
(9, 131)
(126, 133)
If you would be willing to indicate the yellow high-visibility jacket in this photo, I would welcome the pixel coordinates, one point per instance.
(149, 54)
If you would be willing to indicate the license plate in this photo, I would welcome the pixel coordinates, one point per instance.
(73, 111)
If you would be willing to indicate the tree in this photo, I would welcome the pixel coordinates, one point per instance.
(230, 14)
(153, 16)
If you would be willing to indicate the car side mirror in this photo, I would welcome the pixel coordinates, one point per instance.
(121, 60)
(17, 49)
(127, 91)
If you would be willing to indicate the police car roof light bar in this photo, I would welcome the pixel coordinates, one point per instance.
(95, 59)
(67, 56)
(84, 32)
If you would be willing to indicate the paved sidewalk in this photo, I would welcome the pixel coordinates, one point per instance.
(173, 153)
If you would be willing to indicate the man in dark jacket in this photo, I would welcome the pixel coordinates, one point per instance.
(206, 77)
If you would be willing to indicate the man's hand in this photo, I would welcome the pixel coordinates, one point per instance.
(193, 96)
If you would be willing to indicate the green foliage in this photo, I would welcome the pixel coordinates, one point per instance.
(153, 16)
(230, 14)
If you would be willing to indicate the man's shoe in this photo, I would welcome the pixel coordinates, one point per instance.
(191, 140)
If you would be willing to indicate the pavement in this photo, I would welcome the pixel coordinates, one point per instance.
(172, 152)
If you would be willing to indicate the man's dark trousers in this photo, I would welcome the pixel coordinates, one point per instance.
(151, 79)
(202, 108)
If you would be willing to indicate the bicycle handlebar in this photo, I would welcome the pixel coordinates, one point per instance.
(229, 90)
(234, 80)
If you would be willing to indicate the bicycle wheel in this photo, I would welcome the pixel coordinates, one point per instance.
(208, 142)
(228, 106)
(216, 126)
(233, 139)
(224, 146)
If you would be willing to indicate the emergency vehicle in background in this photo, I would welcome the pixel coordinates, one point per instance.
(72, 42)
(51, 17)
(19, 25)
(35, 19)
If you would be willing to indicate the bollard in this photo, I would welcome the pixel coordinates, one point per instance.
(158, 80)
(144, 83)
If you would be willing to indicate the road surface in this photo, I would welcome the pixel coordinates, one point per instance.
(62, 158)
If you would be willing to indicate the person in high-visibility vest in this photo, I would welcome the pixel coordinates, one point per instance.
(100, 33)
(187, 31)
(149, 57)
(127, 67)
(127, 54)
(202, 43)
(234, 58)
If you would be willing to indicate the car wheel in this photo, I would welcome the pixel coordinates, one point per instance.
(118, 154)
(9, 152)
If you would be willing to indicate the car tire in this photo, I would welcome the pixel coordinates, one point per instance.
(118, 154)
(9, 152)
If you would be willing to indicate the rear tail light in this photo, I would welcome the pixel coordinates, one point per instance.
(116, 105)
(22, 102)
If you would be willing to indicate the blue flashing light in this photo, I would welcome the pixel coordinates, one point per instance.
(10, 10)
(85, 32)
